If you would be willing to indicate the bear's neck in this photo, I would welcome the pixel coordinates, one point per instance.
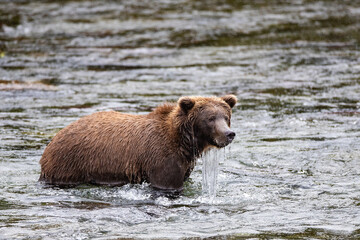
(190, 147)
(181, 130)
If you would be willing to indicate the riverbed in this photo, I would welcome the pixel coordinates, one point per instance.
(293, 170)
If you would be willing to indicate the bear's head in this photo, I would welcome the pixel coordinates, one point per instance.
(209, 119)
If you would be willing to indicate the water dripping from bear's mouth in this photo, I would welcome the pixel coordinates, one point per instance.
(210, 171)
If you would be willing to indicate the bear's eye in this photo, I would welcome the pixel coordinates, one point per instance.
(226, 118)
(212, 118)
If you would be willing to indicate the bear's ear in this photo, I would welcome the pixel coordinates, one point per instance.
(186, 103)
(230, 100)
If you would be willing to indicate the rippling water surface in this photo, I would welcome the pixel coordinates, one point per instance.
(293, 170)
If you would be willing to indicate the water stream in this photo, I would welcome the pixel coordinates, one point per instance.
(294, 166)
(210, 170)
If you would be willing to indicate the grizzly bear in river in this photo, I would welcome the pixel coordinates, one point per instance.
(112, 148)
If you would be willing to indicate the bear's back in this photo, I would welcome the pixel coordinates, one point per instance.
(102, 147)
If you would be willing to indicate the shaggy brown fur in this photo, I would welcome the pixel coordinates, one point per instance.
(161, 147)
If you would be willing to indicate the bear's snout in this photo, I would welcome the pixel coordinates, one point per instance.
(224, 135)
(230, 136)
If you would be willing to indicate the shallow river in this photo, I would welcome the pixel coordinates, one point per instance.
(293, 170)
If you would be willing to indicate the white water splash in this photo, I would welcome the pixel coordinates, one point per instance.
(210, 171)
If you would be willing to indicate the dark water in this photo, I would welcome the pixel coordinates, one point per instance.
(293, 170)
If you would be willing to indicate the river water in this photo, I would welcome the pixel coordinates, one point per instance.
(293, 170)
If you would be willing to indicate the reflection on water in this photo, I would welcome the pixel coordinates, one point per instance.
(293, 169)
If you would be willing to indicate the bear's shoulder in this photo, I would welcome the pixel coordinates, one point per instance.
(162, 111)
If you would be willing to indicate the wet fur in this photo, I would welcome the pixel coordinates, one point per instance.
(114, 148)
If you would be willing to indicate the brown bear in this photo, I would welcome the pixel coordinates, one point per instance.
(112, 148)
